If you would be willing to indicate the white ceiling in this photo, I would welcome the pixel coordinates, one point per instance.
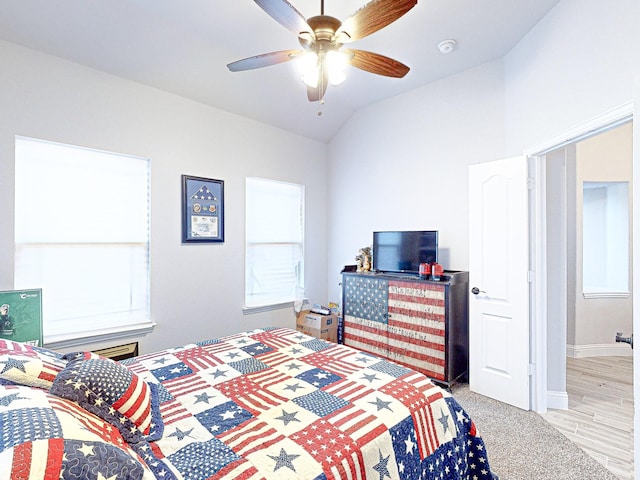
(183, 47)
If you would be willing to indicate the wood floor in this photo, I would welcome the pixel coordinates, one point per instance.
(600, 415)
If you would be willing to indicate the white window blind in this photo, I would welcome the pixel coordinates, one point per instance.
(82, 235)
(274, 264)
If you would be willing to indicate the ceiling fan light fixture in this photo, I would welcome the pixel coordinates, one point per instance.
(337, 77)
(322, 36)
(309, 68)
(336, 64)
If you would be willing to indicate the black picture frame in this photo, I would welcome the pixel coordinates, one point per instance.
(202, 210)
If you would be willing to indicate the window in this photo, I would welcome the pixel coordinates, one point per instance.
(82, 235)
(274, 264)
(605, 239)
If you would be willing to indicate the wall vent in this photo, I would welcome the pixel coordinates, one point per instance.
(120, 352)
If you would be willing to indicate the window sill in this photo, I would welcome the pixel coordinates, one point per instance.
(266, 308)
(83, 338)
(270, 307)
(592, 295)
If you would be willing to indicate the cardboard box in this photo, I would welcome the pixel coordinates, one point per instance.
(324, 327)
(328, 334)
(316, 320)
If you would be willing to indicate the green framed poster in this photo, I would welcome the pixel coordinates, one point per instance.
(21, 316)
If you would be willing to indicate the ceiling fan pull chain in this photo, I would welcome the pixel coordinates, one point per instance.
(321, 86)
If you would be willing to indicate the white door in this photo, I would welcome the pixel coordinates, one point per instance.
(498, 279)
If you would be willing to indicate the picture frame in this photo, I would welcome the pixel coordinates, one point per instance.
(21, 316)
(202, 210)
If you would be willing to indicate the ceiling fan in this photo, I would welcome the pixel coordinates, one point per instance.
(321, 58)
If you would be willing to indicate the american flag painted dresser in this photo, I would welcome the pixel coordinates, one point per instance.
(421, 324)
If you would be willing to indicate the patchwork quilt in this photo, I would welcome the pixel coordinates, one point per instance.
(266, 404)
(275, 403)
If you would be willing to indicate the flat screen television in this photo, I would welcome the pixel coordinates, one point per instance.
(404, 251)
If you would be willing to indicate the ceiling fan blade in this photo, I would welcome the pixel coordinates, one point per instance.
(376, 63)
(264, 60)
(316, 94)
(372, 17)
(286, 15)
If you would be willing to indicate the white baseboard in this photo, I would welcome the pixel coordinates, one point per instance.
(600, 350)
(557, 400)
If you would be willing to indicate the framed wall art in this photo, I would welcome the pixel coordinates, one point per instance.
(202, 210)
(21, 316)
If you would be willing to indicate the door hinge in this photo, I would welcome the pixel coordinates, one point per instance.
(531, 183)
(531, 369)
(531, 276)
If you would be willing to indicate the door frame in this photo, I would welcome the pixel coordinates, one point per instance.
(535, 154)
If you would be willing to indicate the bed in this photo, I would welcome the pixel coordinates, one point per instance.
(270, 403)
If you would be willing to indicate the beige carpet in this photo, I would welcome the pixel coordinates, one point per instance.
(523, 446)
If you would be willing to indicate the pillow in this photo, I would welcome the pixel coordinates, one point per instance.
(24, 364)
(112, 392)
(44, 436)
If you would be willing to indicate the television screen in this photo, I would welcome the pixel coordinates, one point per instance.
(404, 251)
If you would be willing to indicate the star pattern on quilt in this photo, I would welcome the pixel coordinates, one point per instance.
(86, 450)
(369, 377)
(287, 417)
(381, 467)
(284, 460)
(381, 404)
(318, 378)
(285, 405)
(461, 417)
(203, 397)
(8, 399)
(13, 363)
(180, 435)
(410, 444)
(219, 373)
(364, 359)
(444, 420)
(295, 387)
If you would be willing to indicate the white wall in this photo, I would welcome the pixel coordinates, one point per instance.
(402, 164)
(636, 277)
(578, 62)
(196, 290)
(560, 310)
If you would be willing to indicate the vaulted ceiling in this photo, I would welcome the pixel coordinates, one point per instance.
(183, 47)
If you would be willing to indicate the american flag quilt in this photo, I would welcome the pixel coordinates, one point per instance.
(278, 404)
(25, 364)
(45, 437)
(113, 393)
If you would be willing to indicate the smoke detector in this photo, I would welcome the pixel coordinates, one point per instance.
(447, 46)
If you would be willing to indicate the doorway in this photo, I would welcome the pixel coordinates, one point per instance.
(589, 375)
